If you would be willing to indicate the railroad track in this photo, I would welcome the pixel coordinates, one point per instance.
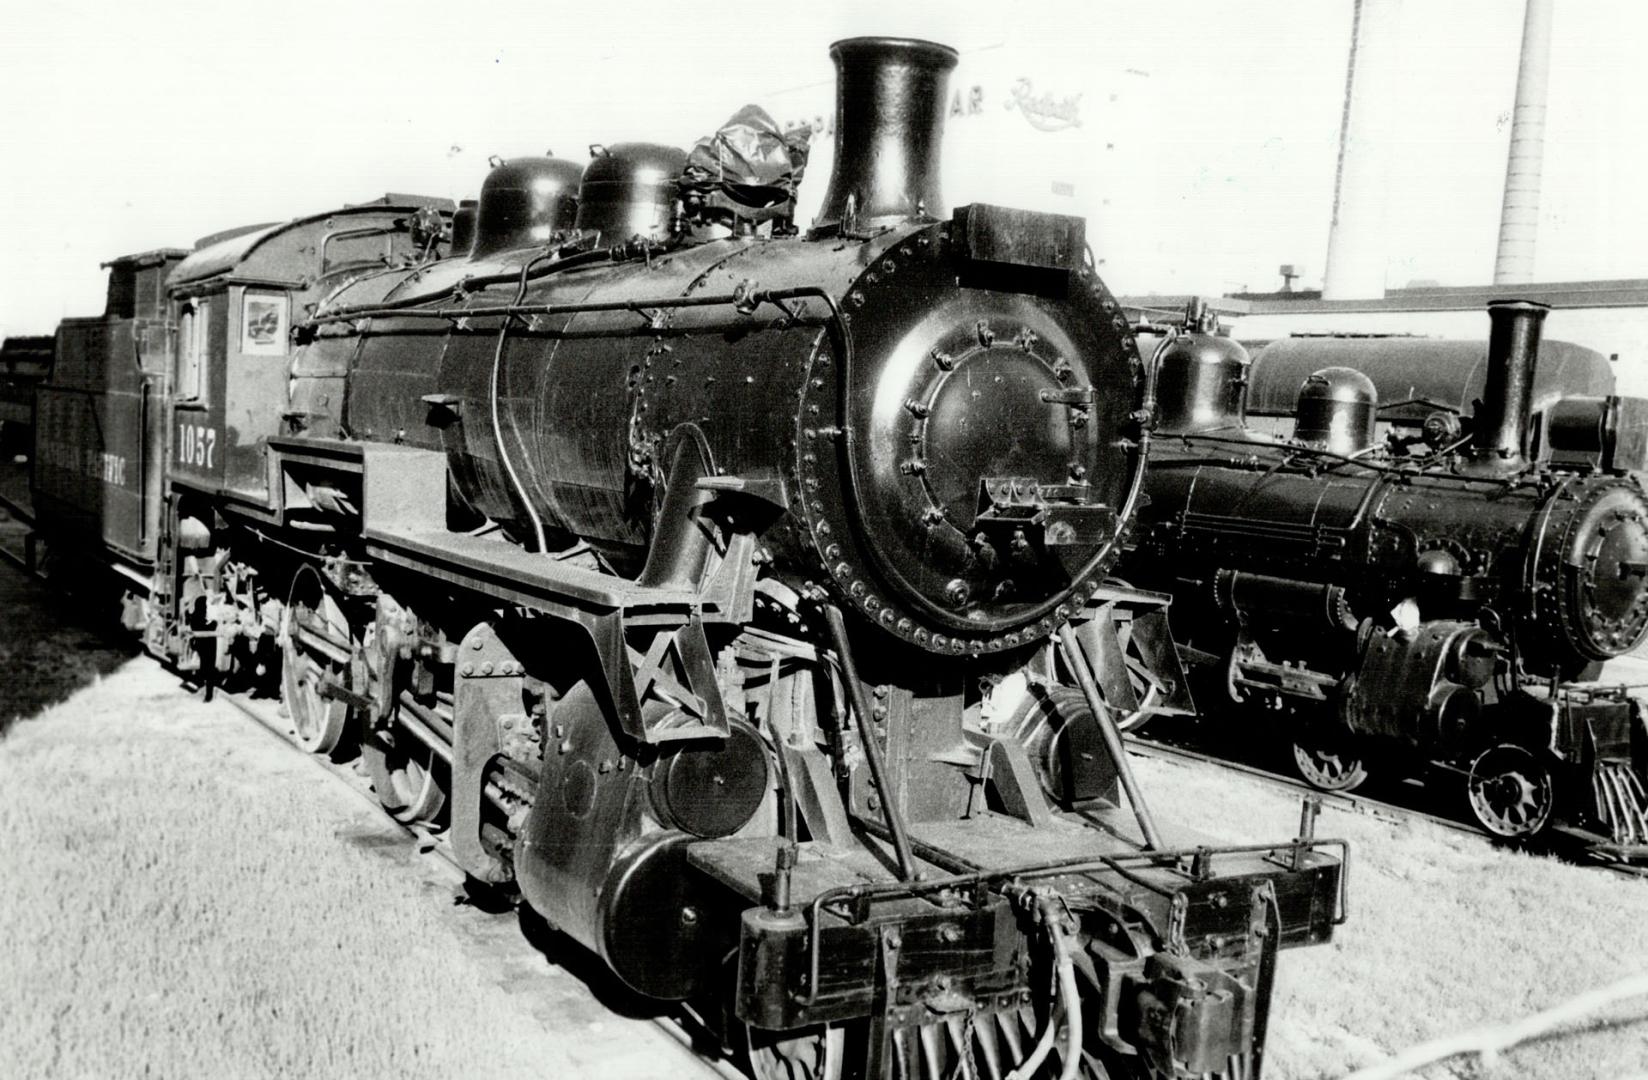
(1557, 844)
(265, 715)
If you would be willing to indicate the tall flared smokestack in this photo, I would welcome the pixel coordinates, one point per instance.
(889, 129)
(1519, 214)
(1500, 435)
(1356, 243)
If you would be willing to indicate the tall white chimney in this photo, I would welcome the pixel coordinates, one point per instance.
(1356, 242)
(1519, 214)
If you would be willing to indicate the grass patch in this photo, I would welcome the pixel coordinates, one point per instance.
(181, 896)
(1447, 933)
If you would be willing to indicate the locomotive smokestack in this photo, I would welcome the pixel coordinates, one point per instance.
(1503, 415)
(1519, 214)
(889, 128)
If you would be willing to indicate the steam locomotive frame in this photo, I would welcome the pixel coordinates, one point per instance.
(737, 598)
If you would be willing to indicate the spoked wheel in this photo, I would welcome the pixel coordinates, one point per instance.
(959, 1047)
(1511, 791)
(410, 779)
(811, 1054)
(315, 650)
(1327, 764)
(990, 1047)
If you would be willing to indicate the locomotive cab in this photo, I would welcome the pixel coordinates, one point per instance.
(237, 299)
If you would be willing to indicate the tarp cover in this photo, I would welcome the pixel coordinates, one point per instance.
(749, 151)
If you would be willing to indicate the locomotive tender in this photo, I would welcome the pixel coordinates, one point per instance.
(718, 590)
(24, 362)
(1445, 596)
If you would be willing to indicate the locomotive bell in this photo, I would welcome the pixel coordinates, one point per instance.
(524, 202)
(1336, 410)
(1201, 378)
(630, 190)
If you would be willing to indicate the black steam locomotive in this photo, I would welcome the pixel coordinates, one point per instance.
(736, 597)
(1443, 595)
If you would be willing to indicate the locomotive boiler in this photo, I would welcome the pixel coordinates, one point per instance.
(1444, 596)
(738, 598)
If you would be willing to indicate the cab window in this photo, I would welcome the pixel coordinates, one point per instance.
(191, 350)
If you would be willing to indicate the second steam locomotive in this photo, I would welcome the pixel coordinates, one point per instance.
(1443, 595)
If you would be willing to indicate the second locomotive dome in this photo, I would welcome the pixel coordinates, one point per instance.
(941, 418)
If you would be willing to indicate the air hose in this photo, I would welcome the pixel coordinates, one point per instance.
(1064, 946)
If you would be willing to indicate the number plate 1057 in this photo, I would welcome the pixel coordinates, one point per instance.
(196, 445)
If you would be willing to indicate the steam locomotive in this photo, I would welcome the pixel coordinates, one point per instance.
(737, 598)
(1440, 598)
(24, 362)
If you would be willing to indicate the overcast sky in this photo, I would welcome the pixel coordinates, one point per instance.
(1204, 151)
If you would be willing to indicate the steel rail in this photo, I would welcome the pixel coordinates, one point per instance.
(1570, 850)
(1357, 804)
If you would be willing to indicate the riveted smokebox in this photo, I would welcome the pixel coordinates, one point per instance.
(889, 130)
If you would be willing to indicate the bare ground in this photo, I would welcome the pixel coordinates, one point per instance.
(1447, 933)
(183, 896)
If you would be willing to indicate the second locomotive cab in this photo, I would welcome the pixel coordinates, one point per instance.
(1445, 595)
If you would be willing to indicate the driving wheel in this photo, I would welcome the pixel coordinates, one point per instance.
(1511, 791)
(316, 652)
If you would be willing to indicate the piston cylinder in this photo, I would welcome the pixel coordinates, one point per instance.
(1260, 599)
